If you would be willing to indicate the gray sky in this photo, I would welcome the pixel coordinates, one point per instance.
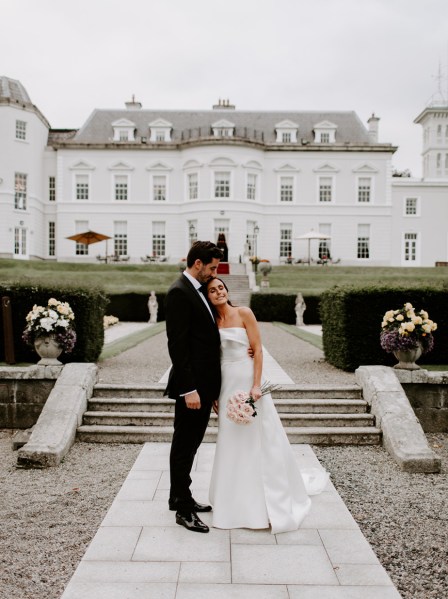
(369, 56)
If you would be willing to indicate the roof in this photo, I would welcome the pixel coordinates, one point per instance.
(190, 124)
(14, 90)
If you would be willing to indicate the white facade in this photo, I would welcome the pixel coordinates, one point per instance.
(155, 180)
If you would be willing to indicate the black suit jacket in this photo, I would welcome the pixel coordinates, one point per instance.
(193, 343)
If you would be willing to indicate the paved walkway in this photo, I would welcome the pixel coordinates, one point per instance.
(139, 552)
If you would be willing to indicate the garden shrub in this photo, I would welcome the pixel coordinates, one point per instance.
(133, 307)
(269, 307)
(87, 304)
(351, 320)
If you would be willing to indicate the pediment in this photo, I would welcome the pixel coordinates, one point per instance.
(326, 168)
(192, 164)
(159, 166)
(287, 125)
(122, 166)
(123, 123)
(160, 123)
(253, 164)
(365, 168)
(82, 165)
(222, 161)
(287, 168)
(325, 125)
(223, 124)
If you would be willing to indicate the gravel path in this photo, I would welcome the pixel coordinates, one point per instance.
(49, 516)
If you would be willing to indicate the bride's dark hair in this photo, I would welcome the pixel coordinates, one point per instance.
(225, 287)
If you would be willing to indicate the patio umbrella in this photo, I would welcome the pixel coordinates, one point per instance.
(89, 237)
(312, 235)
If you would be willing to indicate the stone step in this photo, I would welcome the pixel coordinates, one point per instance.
(286, 391)
(295, 406)
(313, 435)
(166, 418)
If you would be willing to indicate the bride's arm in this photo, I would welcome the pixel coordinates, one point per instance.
(253, 334)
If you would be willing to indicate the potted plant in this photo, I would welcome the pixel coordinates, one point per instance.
(407, 334)
(50, 330)
(265, 268)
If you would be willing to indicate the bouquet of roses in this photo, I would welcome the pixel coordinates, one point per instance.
(405, 329)
(241, 406)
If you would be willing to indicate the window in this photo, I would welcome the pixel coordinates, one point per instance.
(325, 138)
(324, 244)
(20, 191)
(439, 160)
(325, 189)
(286, 138)
(193, 186)
(286, 189)
(410, 206)
(410, 247)
(160, 135)
(158, 239)
(123, 136)
(82, 249)
(223, 132)
(52, 189)
(285, 240)
(51, 238)
(159, 188)
(121, 188)
(439, 131)
(82, 187)
(363, 242)
(20, 241)
(222, 185)
(120, 238)
(446, 161)
(20, 129)
(251, 191)
(364, 189)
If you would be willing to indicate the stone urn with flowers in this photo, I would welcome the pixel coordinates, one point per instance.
(407, 334)
(50, 331)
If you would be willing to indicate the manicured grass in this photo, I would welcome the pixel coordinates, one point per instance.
(124, 343)
(315, 340)
(313, 280)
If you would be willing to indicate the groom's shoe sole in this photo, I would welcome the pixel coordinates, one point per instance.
(197, 507)
(191, 522)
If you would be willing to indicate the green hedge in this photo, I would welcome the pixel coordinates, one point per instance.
(351, 320)
(133, 307)
(269, 307)
(87, 304)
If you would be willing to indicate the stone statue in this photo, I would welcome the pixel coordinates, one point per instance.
(300, 309)
(153, 307)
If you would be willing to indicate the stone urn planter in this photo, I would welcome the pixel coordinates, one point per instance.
(407, 358)
(48, 350)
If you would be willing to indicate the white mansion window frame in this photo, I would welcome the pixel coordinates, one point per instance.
(289, 128)
(160, 131)
(222, 165)
(325, 127)
(223, 128)
(326, 171)
(120, 169)
(82, 168)
(365, 171)
(287, 170)
(159, 169)
(417, 206)
(192, 167)
(405, 242)
(124, 126)
(252, 168)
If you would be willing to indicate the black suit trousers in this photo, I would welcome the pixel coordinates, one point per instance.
(189, 430)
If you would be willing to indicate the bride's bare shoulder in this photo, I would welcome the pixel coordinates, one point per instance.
(245, 313)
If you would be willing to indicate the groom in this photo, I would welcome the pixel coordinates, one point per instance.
(195, 377)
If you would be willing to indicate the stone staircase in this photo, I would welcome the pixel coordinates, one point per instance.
(239, 291)
(310, 414)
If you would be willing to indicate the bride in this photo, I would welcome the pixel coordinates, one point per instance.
(255, 479)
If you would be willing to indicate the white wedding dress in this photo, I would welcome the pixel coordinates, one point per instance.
(256, 482)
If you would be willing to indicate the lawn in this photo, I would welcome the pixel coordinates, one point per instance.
(117, 278)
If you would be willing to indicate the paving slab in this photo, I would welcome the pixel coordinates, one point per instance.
(140, 552)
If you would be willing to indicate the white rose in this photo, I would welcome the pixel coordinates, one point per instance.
(53, 302)
(47, 323)
(434, 326)
(417, 320)
(400, 317)
(426, 328)
(391, 319)
(408, 307)
(53, 314)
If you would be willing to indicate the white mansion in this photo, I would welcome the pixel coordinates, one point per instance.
(154, 180)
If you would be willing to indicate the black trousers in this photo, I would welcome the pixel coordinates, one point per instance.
(189, 430)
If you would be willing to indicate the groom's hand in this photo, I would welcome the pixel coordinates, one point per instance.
(193, 401)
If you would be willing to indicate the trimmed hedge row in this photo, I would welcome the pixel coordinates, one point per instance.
(87, 304)
(133, 307)
(269, 307)
(352, 317)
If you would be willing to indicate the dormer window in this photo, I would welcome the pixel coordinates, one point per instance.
(223, 128)
(325, 133)
(124, 130)
(160, 131)
(286, 132)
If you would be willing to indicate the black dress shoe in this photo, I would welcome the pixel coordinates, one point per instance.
(196, 507)
(192, 522)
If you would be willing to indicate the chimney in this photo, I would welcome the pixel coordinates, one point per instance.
(133, 105)
(373, 128)
(224, 105)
